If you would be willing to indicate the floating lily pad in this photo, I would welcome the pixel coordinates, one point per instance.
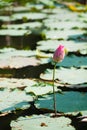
(40, 90)
(41, 122)
(64, 15)
(29, 86)
(34, 7)
(20, 9)
(71, 46)
(58, 10)
(64, 25)
(18, 62)
(11, 100)
(4, 50)
(47, 3)
(67, 75)
(9, 55)
(62, 34)
(5, 18)
(14, 52)
(14, 83)
(84, 113)
(33, 26)
(11, 32)
(30, 16)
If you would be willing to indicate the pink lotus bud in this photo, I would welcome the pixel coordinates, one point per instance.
(59, 53)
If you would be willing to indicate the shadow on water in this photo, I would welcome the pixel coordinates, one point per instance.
(25, 72)
(20, 42)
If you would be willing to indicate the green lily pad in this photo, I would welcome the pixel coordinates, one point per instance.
(14, 83)
(63, 15)
(33, 26)
(20, 9)
(84, 113)
(30, 86)
(11, 32)
(64, 25)
(9, 57)
(5, 18)
(40, 90)
(11, 100)
(62, 34)
(4, 50)
(12, 52)
(18, 62)
(34, 7)
(67, 75)
(71, 46)
(40, 122)
(30, 16)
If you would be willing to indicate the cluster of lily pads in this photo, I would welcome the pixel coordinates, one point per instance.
(29, 36)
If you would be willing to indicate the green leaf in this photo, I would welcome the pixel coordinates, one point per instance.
(71, 46)
(35, 123)
(67, 75)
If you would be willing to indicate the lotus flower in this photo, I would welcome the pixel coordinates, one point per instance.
(58, 56)
(59, 53)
